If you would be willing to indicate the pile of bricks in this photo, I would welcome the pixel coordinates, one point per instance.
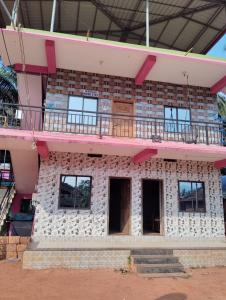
(13, 247)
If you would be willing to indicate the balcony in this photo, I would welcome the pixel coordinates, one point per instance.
(105, 124)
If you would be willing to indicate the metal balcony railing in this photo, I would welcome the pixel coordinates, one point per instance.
(6, 198)
(105, 124)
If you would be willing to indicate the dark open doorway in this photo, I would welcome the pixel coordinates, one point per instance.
(151, 206)
(119, 206)
(224, 206)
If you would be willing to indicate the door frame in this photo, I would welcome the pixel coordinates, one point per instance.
(161, 205)
(129, 101)
(130, 209)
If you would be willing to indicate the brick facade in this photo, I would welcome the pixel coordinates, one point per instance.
(150, 98)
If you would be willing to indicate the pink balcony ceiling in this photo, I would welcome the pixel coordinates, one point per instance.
(218, 86)
(36, 69)
(144, 155)
(112, 58)
(145, 69)
(23, 139)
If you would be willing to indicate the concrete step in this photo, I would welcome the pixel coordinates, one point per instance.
(164, 275)
(160, 268)
(152, 252)
(154, 259)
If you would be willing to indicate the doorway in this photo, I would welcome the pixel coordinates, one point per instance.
(119, 206)
(122, 125)
(151, 191)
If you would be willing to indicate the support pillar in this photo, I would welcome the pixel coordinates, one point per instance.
(147, 23)
(53, 16)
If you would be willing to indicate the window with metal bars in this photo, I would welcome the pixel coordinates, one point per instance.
(177, 119)
(75, 191)
(191, 196)
(82, 110)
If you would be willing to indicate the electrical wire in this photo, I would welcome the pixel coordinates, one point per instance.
(8, 56)
(23, 58)
(4, 41)
(22, 53)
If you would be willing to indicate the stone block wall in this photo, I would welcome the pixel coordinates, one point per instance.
(53, 222)
(13, 247)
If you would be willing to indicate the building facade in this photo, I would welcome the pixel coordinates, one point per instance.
(150, 101)
(116, 140)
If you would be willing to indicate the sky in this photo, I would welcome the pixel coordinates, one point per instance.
(219, 49)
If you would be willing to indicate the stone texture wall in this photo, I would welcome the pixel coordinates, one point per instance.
(83, 259)
(200, 258)
(53, 222)
(79, 259)
(150, 98)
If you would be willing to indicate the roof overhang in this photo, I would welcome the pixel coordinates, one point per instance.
(179, 25)
(111, 58)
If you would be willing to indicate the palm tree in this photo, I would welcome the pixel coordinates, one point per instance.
(8, 85)
(221, 102)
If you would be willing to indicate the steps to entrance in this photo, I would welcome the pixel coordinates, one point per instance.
(156, 263)
(5, 203)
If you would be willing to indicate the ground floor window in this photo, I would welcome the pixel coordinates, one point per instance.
(75, 192)
(191, 196)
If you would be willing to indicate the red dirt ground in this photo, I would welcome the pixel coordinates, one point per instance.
(64, 284)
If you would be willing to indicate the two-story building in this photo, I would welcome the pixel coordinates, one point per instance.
(119, 144)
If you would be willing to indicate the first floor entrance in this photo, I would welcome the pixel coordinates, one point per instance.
(151, 198)
(119, 205)
(122, 120)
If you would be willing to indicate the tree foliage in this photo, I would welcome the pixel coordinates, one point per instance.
(221, 102)
(8, 85)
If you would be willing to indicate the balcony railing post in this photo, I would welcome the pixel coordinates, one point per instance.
(100, 128)
(207, 134)
(41, 119)
(222, 134)
(155, 128)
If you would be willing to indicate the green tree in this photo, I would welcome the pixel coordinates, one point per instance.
(221, 102)
(8, 85)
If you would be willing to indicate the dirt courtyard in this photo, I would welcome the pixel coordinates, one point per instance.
(64, 284)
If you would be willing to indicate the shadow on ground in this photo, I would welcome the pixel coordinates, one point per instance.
(173, 296)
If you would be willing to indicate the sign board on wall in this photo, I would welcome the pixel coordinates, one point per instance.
(90, 93)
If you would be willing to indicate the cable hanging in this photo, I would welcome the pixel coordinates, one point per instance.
(26, 84)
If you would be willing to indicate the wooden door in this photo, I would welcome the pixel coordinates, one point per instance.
(125, 206)
(122, 125)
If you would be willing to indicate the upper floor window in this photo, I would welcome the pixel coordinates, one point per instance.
(191, 196)
(75, 192)
(82, 110)
(177, 119)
